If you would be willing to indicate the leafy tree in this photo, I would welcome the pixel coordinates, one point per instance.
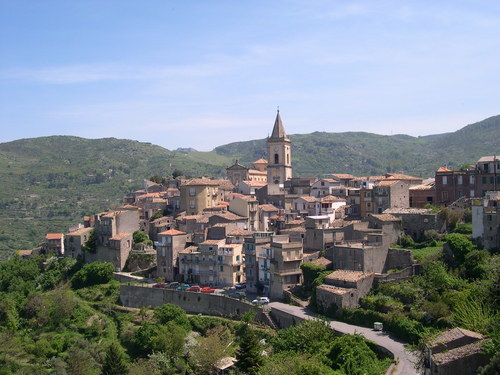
(492, 368)
(90, 245)
(169, 339)
(352, 355)
(141, 237)
(210, 349)
(156, 179)
(248, 354)
(311, 271)
(114, 362)
(92, 274)
(310, 336)
(459, 245)
(156, 215)
(172, 313)
(143, 337)
(177, 173)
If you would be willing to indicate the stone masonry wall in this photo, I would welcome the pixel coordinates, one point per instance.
(192, 302)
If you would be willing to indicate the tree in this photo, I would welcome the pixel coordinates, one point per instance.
(114, 362)
(210, 349)
(141, 237)
(92, 274)
(169, 339)
(177, 173)
(248, 354)
(90, 245)
(311, 271)
(157, 179)
(289, 363)
(168, 312)
(459, 245)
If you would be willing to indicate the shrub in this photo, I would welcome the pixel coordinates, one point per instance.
(92, 274)
(311, 271)
(172, 313)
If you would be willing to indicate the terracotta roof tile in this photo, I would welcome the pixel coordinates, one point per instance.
(385, 217)
(54, 236)
(121, 236)
(350, 276)
(171, 232)
(268, 208)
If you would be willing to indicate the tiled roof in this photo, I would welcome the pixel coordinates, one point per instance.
(455, 334)
(53, 236)
(345, 275)
(331, 199)
(149, 195)
(79, 232)
(248, 198)
(385, 217)
(255, 183)
(308, 198)
(400, 176)
(201, 182)
(386, 182)
(423, 187)
(121, 236)
(343, 175)
(257, 172)
(225, 184)
(420, 211)
(230, 216)
(171, 232)
(296, 222)
(189, 250)
(443, 169)
(240, 232)
(488, 158)
(260, 161)
(112, 214)
(462, 352)
(268, 208)
(333, 289)
(322, 261)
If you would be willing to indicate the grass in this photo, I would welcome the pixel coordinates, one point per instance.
(426, 252)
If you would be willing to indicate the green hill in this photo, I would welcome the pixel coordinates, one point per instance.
(49, 183)
(365, 153)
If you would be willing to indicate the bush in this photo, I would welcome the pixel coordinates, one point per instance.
(311, 271)
(172, 313)
(92, 274)
(459, 245)
(406, 241)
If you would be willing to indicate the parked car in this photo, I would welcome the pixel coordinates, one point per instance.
(173, 285)
(236, 294)
(183, 287)
(160, 285)
(207, 289)
(193, 288)
(241, 286)
(261, 301)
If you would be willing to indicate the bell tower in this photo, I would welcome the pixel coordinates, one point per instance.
(279, 154)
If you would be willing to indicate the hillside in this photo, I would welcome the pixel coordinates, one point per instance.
(365, 153)
(49, 183)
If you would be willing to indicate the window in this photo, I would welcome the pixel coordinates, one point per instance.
(163, 252)
(444, 196)
(191, 203)
(276, 159)
(445, 180)
(483, 179)
(472, 193)
(459, 180)
(221, 268)
(492, 179)
(192, 192)
(471, 180)
(237, 258)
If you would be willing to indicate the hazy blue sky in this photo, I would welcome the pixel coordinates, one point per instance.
(205, 73)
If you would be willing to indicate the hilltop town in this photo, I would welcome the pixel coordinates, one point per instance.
(263, 231)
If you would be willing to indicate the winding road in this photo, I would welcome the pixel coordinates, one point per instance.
(405, 360)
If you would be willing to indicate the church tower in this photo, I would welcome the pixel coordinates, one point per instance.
(279, 154)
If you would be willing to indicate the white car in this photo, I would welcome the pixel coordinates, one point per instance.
(261, 301)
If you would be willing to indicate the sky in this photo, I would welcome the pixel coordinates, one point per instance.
(206, 73)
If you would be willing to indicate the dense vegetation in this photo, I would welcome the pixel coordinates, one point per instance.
(61, 317)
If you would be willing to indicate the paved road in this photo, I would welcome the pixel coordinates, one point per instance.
(406, 359)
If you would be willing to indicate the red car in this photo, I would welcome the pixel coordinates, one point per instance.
(207, 289)
(194, 288)
(160, 285)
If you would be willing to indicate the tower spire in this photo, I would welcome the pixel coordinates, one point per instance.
(278, 129)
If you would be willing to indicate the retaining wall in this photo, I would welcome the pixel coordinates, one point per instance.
(192, 302)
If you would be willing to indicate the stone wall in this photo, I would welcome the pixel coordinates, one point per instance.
(404, 274)
(192, 302)
(398, 258)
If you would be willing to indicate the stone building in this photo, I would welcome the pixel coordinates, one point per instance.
(456, 351)
(168, 246)
(198, 194)
(74, 242)
(286, 258)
